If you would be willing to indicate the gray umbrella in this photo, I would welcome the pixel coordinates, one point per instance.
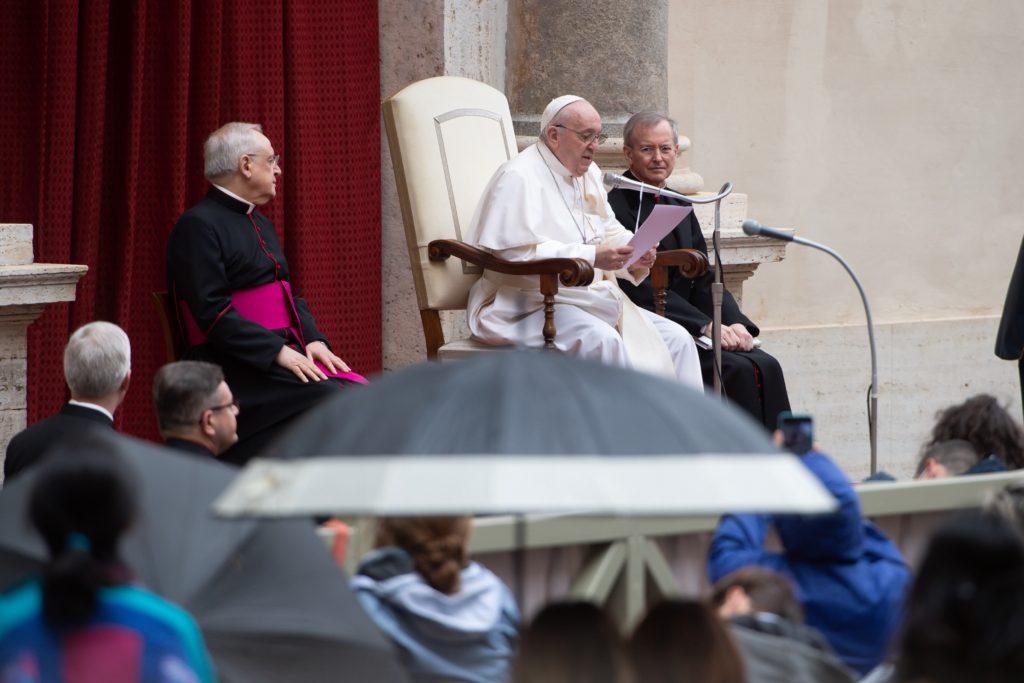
(521, 431)
(272, 604)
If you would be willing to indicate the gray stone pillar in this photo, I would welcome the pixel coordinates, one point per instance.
(613, 53)
(610, 52)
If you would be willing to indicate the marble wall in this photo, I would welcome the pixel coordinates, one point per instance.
(891, 132)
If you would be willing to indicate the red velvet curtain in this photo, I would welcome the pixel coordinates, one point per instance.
(105, 106)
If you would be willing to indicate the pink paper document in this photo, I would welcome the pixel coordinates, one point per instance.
(662, 220)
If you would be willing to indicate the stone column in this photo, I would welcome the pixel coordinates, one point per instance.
(25, 290)
(610, 52)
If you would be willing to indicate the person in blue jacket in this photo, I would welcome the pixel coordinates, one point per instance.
(850, 578)
(451, 619)
(84, 619)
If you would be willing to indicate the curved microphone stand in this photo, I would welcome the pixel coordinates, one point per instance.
(717, 287)
(752, 227)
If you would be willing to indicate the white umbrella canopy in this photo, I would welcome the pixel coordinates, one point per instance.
(446, 485)
(523, 431)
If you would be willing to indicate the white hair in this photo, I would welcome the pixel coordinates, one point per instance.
(225, 147)
(97, 359)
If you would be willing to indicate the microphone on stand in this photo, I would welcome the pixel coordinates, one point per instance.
(752, 227)
(614, 180)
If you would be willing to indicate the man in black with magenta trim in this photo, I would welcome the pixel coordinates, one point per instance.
(751, 378)
(229, 279)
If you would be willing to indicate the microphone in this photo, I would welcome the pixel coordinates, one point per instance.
(753, 228)
(614, 180)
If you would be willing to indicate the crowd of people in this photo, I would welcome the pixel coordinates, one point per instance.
(836, 602)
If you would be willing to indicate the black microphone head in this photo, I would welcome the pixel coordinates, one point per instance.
(752, 227)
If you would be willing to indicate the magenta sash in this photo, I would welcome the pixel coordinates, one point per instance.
(271, 306)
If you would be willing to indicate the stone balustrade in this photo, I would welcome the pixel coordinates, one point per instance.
(25, 290)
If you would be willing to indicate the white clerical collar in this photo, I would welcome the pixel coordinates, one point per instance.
(93, 406)
(552, 161)
(232, 194)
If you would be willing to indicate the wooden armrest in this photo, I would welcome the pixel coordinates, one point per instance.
(691, 263)
(572, 272)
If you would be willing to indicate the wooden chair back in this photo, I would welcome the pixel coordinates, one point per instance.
(174, 342)
(447, 136)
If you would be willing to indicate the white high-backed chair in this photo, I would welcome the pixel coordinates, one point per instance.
(448, 136)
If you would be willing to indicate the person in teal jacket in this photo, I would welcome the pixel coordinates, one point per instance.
(83, 619)
(851, 580)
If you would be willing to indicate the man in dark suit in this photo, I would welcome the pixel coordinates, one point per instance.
(195, 409)
(751, 378)
(97, 369)
(1010, 337)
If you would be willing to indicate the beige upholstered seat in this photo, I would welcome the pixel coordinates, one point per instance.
(447, 136)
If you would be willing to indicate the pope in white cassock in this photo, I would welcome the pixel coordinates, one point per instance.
(549, 202)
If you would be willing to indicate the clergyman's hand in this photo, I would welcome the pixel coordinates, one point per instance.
(734, 337)
(299, 365)
(608, 257)
(318, 352)
(744, 340)
(647, 260)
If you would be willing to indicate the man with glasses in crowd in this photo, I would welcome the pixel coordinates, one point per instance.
(195, 409)
(549, 202)
(230, 284)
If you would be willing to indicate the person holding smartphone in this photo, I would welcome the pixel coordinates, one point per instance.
(850, 578)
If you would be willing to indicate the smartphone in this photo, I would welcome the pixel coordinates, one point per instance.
(797, 432)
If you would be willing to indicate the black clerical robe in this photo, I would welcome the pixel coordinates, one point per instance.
(217, 248)
(1010, 337)
(752, 380)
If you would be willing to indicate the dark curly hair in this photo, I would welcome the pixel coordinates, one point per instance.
(984, 423)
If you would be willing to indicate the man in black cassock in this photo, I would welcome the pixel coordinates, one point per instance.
(750, 377)
(1010, 337)
(222, 247)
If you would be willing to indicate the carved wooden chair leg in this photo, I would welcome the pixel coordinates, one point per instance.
(549, 288)
(659, 280)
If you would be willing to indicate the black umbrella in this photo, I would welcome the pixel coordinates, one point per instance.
(272, 604)
(522, 431)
